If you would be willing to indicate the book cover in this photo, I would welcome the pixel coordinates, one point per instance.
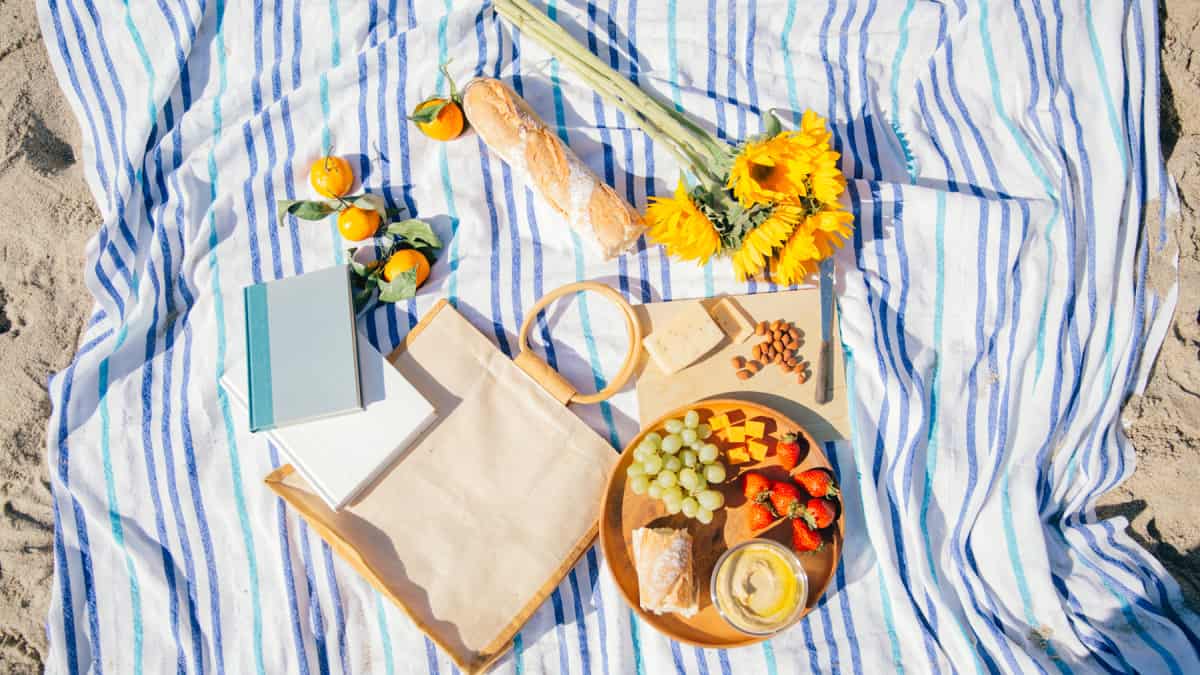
(301, 351)
(340, 456)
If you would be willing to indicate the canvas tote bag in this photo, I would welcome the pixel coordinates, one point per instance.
(481, 518)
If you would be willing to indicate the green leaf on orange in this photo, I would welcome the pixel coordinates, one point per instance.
(402, 287)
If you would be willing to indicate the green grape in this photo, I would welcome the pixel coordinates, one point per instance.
(701, 485)
(639, 454)
(715, 472)
(667, 478)
(688, 478)
(692, 419)
(652, 464)
(635, 469)
(655, 490)
(672, 494)
(673, 464)
(704, 515)
(689, 458)
(711, 499)
(697, 445)
(673, 426)
(690, 507)
(689, 436)
(703, 431)
(708, 453)
(671, 444)
(674, 507)
(653, 438)
(639, 484)
(647, 447)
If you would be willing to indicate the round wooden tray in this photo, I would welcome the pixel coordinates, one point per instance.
(622, 512)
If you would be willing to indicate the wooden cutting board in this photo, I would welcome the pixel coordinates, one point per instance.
(714, 377)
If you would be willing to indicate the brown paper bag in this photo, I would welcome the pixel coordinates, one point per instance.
(483, 516)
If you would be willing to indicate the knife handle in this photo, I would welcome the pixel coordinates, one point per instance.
(825, 373)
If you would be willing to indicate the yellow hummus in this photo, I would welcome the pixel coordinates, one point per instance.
(757, 588)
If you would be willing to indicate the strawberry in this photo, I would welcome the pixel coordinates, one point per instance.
(818, 513)
(788, 450)
(785, 497)
(804, 538)
(759, 516)
(818, 483)
(757, 487)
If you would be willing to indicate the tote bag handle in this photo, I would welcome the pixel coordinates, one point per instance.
(557, 385)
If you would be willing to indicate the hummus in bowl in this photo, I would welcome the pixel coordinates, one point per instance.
(759, 587)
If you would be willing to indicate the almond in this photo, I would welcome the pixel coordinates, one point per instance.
(745, 375)
(738, 362)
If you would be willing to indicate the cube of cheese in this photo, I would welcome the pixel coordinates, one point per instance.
(718, 422)
(757, 450)
(735, 434)
(690, 334)
(755, 429)
(737, 455)
(733, 320)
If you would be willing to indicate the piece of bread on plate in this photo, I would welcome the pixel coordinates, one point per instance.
(666, 579)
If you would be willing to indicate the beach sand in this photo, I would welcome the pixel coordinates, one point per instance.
(49, 216)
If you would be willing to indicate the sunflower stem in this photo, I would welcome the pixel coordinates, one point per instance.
(612, 85)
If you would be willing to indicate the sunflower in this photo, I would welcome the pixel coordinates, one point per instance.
(771, 170)
(761, 243)
(828, 183)
(812, 241)
(679, 225)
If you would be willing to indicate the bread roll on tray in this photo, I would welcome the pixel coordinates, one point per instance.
(514, 132)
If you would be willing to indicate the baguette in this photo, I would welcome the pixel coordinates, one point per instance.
(514, 132)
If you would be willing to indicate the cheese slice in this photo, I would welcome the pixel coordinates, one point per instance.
(757, 450)
(733, 320)
(689, 335)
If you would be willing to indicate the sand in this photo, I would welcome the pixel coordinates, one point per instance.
(43, 305)
(1164, 423)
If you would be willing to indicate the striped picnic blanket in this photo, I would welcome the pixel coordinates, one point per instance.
(1007, 288)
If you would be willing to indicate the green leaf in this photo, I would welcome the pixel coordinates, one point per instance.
(403, 287)
(371, 202)
(304, 209)
(417, 232)
(427, 114)
(357, 267)
(774, 123)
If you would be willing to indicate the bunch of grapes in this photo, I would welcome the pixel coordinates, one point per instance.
(677, 466)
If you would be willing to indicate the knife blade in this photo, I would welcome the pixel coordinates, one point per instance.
(825, 357)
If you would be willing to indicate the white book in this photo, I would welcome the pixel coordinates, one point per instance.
(339, 456)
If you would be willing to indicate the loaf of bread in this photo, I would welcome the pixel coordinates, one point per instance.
(514, 132)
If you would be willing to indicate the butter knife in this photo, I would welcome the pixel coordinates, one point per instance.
(825, 357)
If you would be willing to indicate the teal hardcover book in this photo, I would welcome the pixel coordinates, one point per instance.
(301, 351)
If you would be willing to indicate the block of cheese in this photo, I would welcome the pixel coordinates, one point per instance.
(718, 422)
(733, 320)
(757, 450)
(735, 434)
(738, 455)
(689, 335)
(755, 429)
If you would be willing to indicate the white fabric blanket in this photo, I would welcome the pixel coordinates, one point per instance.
(1007, 288)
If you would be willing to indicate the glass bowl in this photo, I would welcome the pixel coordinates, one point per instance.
(731, 614)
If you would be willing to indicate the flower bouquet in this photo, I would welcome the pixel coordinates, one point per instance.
(770, 203)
